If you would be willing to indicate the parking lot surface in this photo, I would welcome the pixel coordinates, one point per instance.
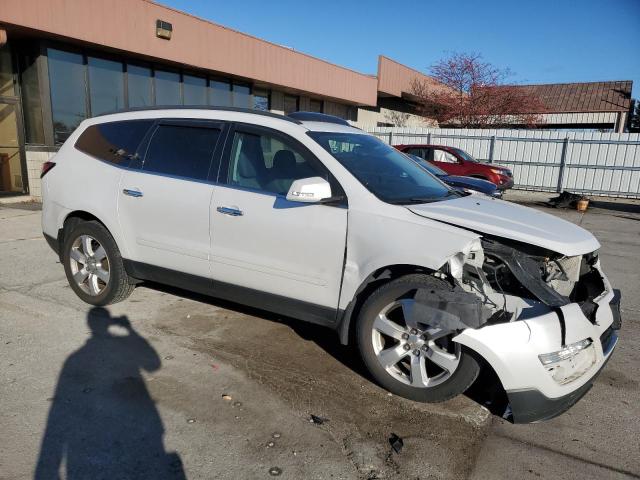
(171, 385)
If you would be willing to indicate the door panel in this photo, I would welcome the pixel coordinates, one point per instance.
(261, 241)
(285, 248)
(166, 221)
(164, 203)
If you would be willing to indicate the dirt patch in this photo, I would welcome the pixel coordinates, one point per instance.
(307, 367)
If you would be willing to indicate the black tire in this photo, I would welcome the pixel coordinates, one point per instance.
(405, 287)
(119, 285)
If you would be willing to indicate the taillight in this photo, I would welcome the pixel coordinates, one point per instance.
(46, 166)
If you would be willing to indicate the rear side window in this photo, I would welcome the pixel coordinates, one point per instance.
(114, 142)
(182, 151)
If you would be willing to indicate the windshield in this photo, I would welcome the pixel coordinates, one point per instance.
(465, 155)
(387, 173)
(438, 172)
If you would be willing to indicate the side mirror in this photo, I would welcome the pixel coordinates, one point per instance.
(309, 190)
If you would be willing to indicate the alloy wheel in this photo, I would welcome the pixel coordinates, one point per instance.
(413, 352)
(89, 265)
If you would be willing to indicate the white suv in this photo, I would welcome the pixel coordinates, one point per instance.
(311, 218)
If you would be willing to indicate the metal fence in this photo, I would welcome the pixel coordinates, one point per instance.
(582, 162)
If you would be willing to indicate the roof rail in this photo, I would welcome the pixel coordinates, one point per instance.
(317, 117)
(204, 107)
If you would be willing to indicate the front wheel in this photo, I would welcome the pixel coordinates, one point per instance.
(407, 355)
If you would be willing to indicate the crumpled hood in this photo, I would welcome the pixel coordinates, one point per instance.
(509, 220)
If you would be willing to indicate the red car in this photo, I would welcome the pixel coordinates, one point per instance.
(458, 162)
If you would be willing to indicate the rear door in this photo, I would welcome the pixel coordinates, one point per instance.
(265, 243)
(164, 197)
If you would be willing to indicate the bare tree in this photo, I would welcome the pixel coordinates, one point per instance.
(468, 92)
(398, 119)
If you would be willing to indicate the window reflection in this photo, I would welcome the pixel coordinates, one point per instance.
(167, 88)
(139, 86)
(220, 93)
(241, 96)
(106, 85)
(68, 94)
(195, 90)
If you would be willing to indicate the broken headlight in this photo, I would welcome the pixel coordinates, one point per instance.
(571, 362)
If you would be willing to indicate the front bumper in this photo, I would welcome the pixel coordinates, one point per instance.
(506, 183)
(512, 350)
(529, 406)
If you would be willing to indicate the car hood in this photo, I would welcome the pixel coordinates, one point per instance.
(509, 220)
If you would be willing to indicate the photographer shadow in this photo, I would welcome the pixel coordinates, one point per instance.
(103, 423)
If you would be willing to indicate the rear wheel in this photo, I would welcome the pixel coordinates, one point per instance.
(93, 264)
(410, 356)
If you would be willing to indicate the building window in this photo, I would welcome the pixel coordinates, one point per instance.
(167, 88)
(31, 100)
(291, 104)
(139, 83)
(220, 93)
(195, 90)
(315, 105)
(68, 92)
(241, 96)
(261, 100)
(6, 72)
(106, 86)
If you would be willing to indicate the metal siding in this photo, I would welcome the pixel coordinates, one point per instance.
(595, 163)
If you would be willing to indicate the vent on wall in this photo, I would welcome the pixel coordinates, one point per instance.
(163, 29)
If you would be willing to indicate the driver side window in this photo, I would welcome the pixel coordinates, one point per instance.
(444, 156)
(268, 163)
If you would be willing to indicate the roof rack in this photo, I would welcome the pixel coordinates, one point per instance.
(205, 107)
(317, 117)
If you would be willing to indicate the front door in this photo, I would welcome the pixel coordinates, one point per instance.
(12, 172)
(262, 241)
(163, 205)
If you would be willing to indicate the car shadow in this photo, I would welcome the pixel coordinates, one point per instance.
(486, 390)
(103, 423)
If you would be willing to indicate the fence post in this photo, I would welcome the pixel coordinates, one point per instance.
(563, 161)
(390, 138)
(492, 146)
(428, 138)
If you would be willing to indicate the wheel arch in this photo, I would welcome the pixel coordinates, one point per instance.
(75, 216)
(381, 276)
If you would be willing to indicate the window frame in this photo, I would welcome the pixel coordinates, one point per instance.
(222, 178)
(214, 162)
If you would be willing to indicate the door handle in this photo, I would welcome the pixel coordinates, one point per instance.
(232, 212)
(132, 192)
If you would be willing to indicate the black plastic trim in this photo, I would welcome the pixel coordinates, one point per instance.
(289, 307)
(615, 309)
(53, 243)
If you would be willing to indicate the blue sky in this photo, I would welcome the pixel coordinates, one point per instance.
(541, 41)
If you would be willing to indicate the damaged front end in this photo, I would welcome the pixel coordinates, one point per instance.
(515, 280)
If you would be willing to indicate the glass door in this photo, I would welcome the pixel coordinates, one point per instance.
(12, 171)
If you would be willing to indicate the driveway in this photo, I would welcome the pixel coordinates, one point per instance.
(171, 385)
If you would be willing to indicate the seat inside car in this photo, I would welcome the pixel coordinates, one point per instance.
(283, 172)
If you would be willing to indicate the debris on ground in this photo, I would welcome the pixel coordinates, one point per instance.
(396, 443)
(276, 435)
(565, 200)
(275, 471)
(226, 397)
(318, 420)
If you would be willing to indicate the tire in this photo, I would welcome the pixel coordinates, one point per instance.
(419, 374)
(96, 287)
